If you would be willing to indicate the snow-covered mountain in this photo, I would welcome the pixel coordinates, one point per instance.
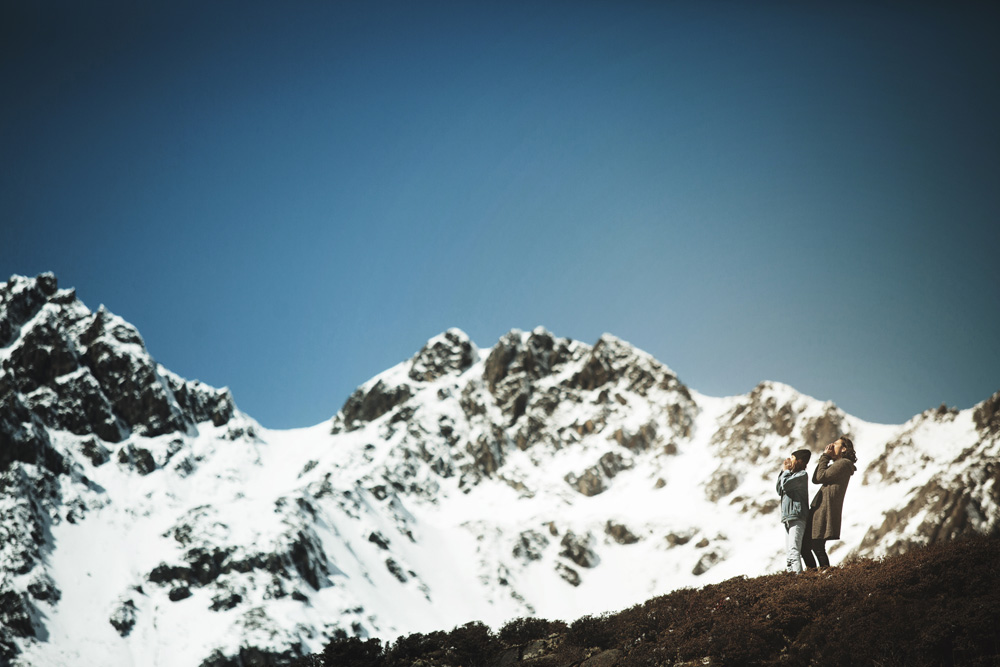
(145, 520)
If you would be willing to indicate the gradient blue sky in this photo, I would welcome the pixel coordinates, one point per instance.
(289, 198)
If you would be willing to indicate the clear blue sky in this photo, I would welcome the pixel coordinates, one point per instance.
(288, 198)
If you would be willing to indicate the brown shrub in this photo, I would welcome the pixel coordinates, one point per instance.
(523, 630)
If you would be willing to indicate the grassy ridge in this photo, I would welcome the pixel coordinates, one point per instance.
(936, 605)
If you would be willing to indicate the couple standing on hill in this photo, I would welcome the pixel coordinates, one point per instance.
(808, 527)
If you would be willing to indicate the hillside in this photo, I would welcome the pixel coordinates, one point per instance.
(936, 605)
(540, 477)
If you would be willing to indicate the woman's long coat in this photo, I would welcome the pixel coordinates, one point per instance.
(828, 503)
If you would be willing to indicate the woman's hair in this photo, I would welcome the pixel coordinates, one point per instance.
(849, 454)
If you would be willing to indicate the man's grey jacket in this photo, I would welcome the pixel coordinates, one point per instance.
(793, 487)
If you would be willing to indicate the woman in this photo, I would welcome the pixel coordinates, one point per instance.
(833, 472)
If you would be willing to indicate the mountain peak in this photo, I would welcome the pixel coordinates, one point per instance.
(89, 372)
(448, 352)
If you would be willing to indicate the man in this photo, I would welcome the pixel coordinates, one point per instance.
(793, 487)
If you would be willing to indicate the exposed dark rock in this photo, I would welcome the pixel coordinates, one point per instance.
(17, 615)
(513, 367)
(721, 484)
(487, 452)
(451, 352)
(164, 573)
(587, 427)
(472, 402)
(241, 431)
(43, 588)
(641, 440)
(225, 600)
(607, 658)
(530, 545)
(590, 482)
(123, 618)
(743, 430)
(767, 506)
(20, 300)
(543, 646)
(532, 431)
(706, 562)
(987, 416)
(206, 564)
(680, 416)
(377, 539)
(602, 366)
(270, 561)
(95, 451)
(820, 431)
(137, 458)
(43, 354)
(179, 593)
(75, 403)
(612, 463)
(620, 533)
(612, 360)
(364, 406)
(886, 468)
(200, 402)
(117, 358)
(570, 575)
(548, 400)
(89, 372)
(577, 549)
(309, 559)
(536, 357)
(24, 523)
(396, 571)
(944, 413)
(677, 539)
(23, 438)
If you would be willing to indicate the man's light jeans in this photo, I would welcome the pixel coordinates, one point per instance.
(794, 531)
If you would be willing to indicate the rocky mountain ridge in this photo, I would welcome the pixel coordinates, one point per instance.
(539, 476)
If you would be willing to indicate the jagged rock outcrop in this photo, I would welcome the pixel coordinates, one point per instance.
(368, 404)
(596, 479)
(987, 417)
(620, 533)
(450, 353)
(517, 362)
(90, 373)
(66, 371)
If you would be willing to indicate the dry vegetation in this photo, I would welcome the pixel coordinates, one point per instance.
(937, 605)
